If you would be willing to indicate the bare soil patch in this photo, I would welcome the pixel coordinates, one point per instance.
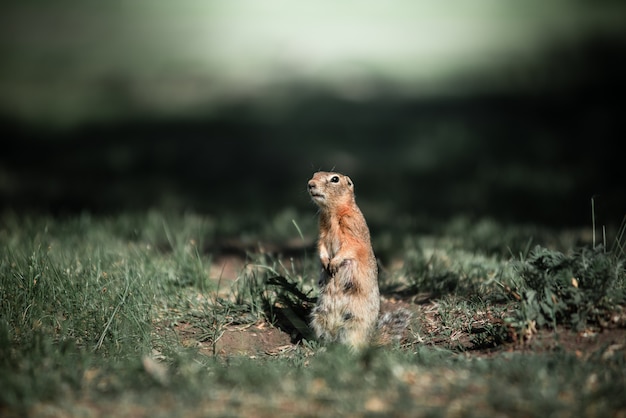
(250, 340)
(263, 338)
(427, 327)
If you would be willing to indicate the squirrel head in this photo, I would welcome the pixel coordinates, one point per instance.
(331, 190)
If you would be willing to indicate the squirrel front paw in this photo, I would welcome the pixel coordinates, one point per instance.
(335, 264)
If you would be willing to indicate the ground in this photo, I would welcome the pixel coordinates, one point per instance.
(264, 338)
(224, 333)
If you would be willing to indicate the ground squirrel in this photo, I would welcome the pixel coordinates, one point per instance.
(348, 305)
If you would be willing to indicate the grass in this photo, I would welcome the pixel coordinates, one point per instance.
(128, 315)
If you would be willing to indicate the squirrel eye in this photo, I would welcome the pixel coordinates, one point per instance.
(334, 179)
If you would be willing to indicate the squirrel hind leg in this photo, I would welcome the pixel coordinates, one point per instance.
(356, 332)
(341, 326)
(354, 337)
(326, 322)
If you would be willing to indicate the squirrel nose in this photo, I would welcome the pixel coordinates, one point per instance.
(311, 185)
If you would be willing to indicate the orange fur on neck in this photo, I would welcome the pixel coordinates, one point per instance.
(344, 210)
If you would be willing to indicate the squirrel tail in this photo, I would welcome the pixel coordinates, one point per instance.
(392, 326)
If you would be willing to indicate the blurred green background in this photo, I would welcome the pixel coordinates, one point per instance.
(512, 110)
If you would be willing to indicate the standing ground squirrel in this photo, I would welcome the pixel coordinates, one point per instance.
(348, 304)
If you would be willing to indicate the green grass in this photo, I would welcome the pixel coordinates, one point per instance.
(91, 310)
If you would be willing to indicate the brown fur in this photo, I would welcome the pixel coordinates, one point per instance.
(349, 303)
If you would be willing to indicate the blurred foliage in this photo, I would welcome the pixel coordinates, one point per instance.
(525, 159)
(585, 288)
(525, 138)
